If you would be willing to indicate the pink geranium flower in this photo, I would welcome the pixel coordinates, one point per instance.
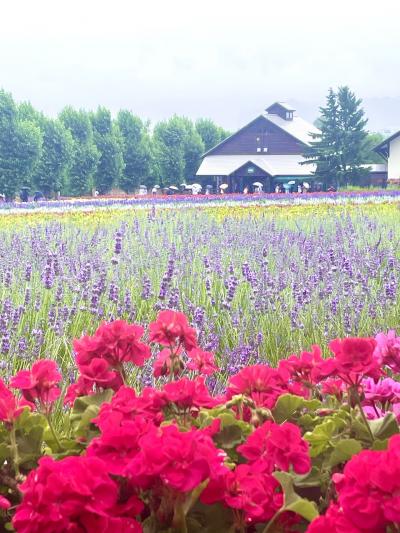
(168, 362)
(274, 446)
(177, 460)
(387, 350)
(354, 359)
(10, 408)
(188, 394)
(302, 368)
(73, 494)
(261, 383)
(202, 361)
(172, 328)
(121, 342)
(40, 383)
(4, 503)
(253, 492)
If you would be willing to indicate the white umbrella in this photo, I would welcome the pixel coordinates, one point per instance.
(156, 187)
(257, 184)
(183, 185)
(291, 182)
(306, 185)
(196, 186)
(173, 188)
(223, 186)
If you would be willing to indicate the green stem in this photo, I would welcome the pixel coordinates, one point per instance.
(358, 401)
(48, 418)
(14, 448)
(271, 522)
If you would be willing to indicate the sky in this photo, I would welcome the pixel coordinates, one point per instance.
(226, 60)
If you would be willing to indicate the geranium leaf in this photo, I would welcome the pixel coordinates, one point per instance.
(319, 438)
(286, 406)
(343, 451)
(383, 428)
(292, 501)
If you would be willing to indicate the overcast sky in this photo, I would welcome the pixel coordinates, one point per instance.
(226, 60)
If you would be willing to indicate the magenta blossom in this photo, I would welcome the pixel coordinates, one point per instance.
(387, 350)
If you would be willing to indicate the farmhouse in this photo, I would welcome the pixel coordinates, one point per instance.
(268, 150)
(389, 149)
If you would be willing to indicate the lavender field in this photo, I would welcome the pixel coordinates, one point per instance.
(258, 284)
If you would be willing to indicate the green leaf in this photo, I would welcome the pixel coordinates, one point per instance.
(380, 444)
(85, 409)
(286, 406)
(311, 479)
(292, 501)
(343, 451)
(320, 437)
(384, 428)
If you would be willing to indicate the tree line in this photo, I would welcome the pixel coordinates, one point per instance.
(84, 150)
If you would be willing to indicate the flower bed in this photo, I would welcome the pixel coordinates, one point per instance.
(311, 445)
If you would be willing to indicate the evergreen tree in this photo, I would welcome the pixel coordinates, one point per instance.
(20, 147)
(136, 151)
(85, 154)
(106, 139)
(338, 149)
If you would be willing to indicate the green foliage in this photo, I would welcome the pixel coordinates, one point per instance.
(368, 153)
(178, 148)
(107, 140)
(292, 501)
(289, 405)
(338, 150)
(210, 133)
(57, 155)
(136, 152)
(86, 156)
(20, 147)
(85, 409)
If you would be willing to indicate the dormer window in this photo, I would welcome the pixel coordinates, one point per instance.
(289, 115)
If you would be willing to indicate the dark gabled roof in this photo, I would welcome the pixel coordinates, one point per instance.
(231, 136)
(386, 142)
(298, 128)
(284, 105)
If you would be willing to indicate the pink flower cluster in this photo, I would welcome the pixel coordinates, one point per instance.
(368, 494)
(157, 452)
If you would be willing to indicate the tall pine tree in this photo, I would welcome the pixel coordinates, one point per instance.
(338, 150)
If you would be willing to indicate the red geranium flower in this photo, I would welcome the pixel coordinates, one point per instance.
(171, 328)
(40, 383)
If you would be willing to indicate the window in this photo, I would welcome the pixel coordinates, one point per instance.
(259, 149)
(289, 115)
(265, 149)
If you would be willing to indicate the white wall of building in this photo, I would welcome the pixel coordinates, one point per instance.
(394, 160)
